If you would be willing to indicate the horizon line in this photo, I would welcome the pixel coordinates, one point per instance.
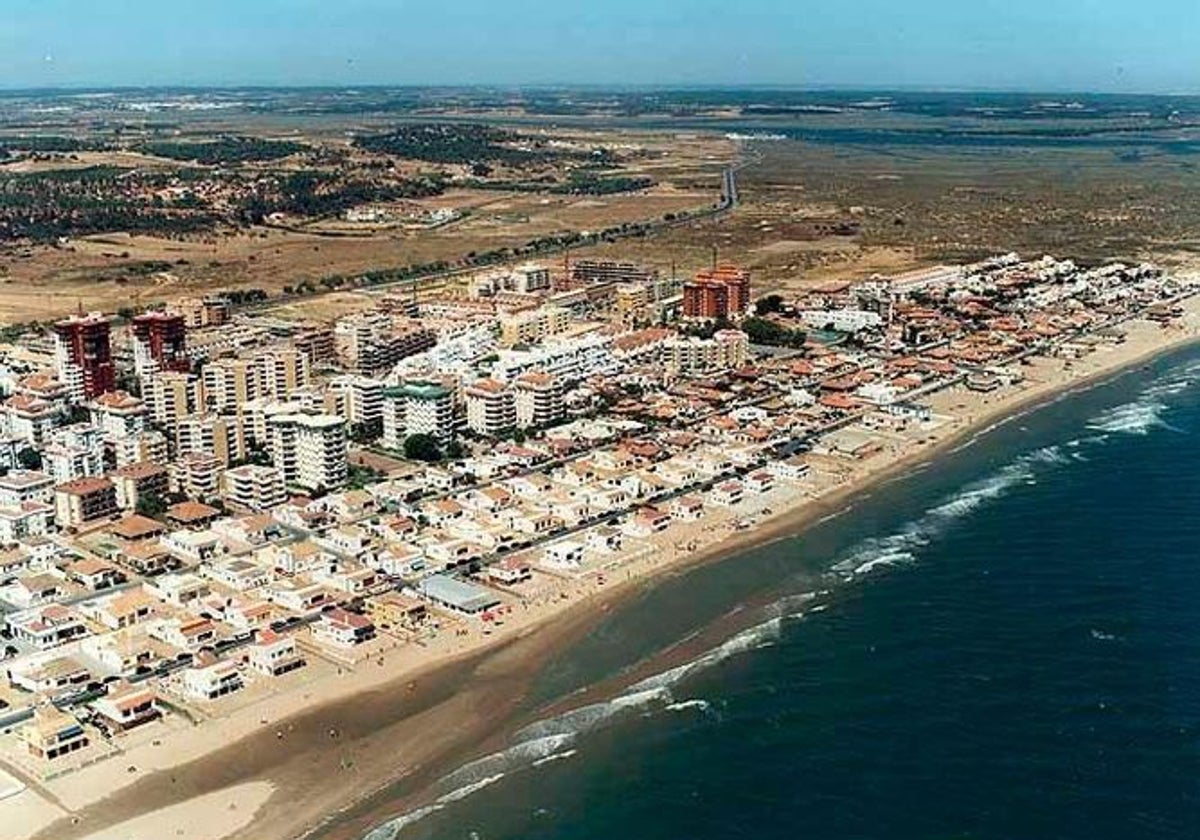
(72, 87)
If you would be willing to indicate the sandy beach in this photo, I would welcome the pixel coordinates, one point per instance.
(273, 769)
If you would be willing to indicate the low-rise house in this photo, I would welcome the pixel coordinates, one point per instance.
(135, 528)
(94, 574)
(119, 610)
(727, 494)
(297, 558)
(534, 522)
(759, 481)
(647, 521)
(243, 613)
(124, 652)
(209, 678)
(567, 554)
(148, 558)
(396, 611)
(350, 540)
(126, 706)
(253, 530)
(273, 654)
(604, 539)
(346, 577)
(795, 468)
(341, 628)
(190, 514)
(37, 588)
(510, 571)
(53, 733)
(451, 553)
(180, 589)
(399, 560)
(46, 627)
(687, 508)
(49, 675)
(199, 546)
(298, 595)
(189, 634)
(239, 574)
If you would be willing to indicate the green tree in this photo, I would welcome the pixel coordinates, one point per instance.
(366, 432)
(29, 459)
(768, 304)
(151, 504)
(422, 447)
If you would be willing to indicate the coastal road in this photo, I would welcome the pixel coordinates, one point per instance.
(729, 200)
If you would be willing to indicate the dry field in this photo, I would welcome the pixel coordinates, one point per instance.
(112, 270)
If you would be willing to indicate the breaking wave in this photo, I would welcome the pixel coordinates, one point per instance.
(1136, 418)
(552, 739)
(1146, 413)
(1139, 417)
(901, 547)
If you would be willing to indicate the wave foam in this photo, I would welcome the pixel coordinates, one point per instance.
(902, 547)
(1135, 418)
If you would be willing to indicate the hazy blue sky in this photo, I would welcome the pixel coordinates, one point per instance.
(1151, 45)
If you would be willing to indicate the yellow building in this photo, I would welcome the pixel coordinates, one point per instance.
(532, 326)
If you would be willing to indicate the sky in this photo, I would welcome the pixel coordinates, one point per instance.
(1150, 46)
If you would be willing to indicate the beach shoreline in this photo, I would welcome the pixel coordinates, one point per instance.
(437, 710)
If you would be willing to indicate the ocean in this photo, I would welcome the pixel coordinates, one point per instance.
(1005, 644)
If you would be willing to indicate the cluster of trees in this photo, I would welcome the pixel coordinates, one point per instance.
(48, 143)
(318, 194)
(772, 333)
(769, 304)
(760, 331)
(241, 296)
(224, 150)
(43, 206)
(585, 182)
(460, 143)
(422, 447)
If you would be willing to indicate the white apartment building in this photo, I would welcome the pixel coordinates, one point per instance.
(357, 398)
(255, 487)
(273, 374)
(172, 396)
(491, 408)
(457, 351)
(309, 449)
(74, 451)
(20, 486)
(841, 320)
(537, 400)
(725, 350)
(229, 383)
(143, 446)
(30, 418)
(533, 325)
(196, 475)
(118, 414)
(417, 407)
(568, 360)
(212, 434)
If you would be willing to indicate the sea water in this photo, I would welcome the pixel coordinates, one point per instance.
(1004, 645)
